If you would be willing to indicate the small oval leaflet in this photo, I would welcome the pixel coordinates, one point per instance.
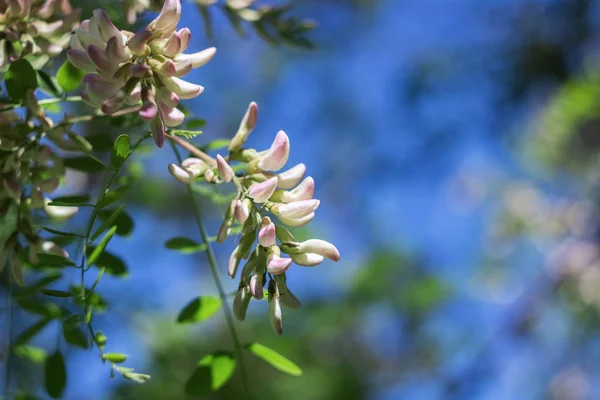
(184, 245)
(55, 375)
(198, 310)
(116, 358)
(275, 359)
(211, 373)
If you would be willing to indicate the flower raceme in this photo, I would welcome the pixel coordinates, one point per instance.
(263, 189)
(126, 68)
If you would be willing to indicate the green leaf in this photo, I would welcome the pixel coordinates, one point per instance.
(184, 245)
(33, 330)
(85, 164)
(101, 245)
(72, 321)
(211, 373)
(275, 359)
(185, 133)
(120, 151)
(216, 145)
(195, 123)
(35, 354)
(59, 233)
(55, 375)
(69, 77)
(76, 337)
(108, 218)
(116, 358)
(112, 196)
(72, 201)
(48, 84)
(55, 293)
(46, 309)
(53, 261)
(81, 142)
(198, 310)
(101, 339)
(122, 220)
(20, 78)
(113, 264)
(101, 142)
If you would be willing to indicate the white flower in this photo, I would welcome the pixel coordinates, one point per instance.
(276, 157)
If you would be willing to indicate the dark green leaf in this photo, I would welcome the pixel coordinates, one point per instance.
(48, 84)
(43, 308)
(60, 233)
(55, 375)
(20, 78)
(55, 293)
(101, 245)
(184, 245)
(199, 309)
(195, 123)
(33, 330)
(53, 261)
(120, 151)
(116, 358)
(112, 196)
(76, 337)
(72, 321)
(108, 218)
(45, 281)
(85, 164)
(211, 373)
(113, 264)
(275, 359)
(74, 201)
(100, 142)
(122, 220)
(69, 77)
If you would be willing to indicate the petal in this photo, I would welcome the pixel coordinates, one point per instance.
(321, 247)
(241, 212)
(106, 28)
(174, 116)
(307, 259)
(297, 221)
(256, 287)
(260, 192)
(290, 178)
(158, 131)
(167, 20)
(137, 44)
(167, 98)
(296, 209)
(225, 171)
(180, 174)
(277, 155)
(234, 262)
(277, 265)
(198, 59)
(275, 315)
(184, 89)
(113, 105)
(80, 60)
(185, 34)
(115, 51)
(266, 235)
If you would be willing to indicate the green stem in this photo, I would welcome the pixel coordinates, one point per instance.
(69, 99)
(10, 335)
(215, 273)
(90, 226)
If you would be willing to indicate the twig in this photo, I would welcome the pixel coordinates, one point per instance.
(192, 149)
(69, 99)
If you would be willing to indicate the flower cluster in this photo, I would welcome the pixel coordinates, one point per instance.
(35, 27)
(29, 170)
(263, 193)
(124, 68)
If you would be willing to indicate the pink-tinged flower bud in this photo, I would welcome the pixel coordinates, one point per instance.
(185, 34)
(149, 110)
(139, 70)
(297, 221)
(59, 212)
(100, 60)
(172, 45)
(241, 211)
(167, 98)
(183, 89)
(304, 191)
(277, 265)
(286, 297)
(275, 315)
(240, 303)
(296, 209)
(182, 68)
(266, 235)
(197, 59)
(319, 246)
(209, 175)
(246, 127)
(100, 89)
(113, 105)
(307, 259)
(277, 155)
(137, 44)
(234, 262)
(37, 198)
(158, 131)
(80, 60)
(172, 116)
(115, 52)
(17, 269)
(167, 20)
(225, 171)
(53, 248)
(191, 161)
(106, 28)
(182, 175)
(290, 178)
(256, 287)
(260, 192)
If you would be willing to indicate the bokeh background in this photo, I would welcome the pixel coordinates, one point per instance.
(455, 148)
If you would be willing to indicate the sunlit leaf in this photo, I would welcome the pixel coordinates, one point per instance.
(69, 77)
(185, 133)
(101, 245)
(199, 309)
(120, 151)
(211, 373)
(275, 359)
(116, 358)
(55, 293)
(55, 375)
(184, 245)
(48, 84)
(35, 354)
